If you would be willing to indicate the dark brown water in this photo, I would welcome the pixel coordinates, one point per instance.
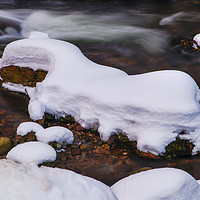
(136, 38)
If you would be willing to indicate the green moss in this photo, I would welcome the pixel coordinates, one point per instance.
(179, 148)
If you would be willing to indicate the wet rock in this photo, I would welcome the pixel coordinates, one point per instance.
(5, 145)
(22, 75)
(141, 170)
(104, 149)
(184, 45)
(148, 155)
(83, 147)
(26, 138)
(179, 148)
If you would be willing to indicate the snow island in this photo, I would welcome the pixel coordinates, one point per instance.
(153, 109)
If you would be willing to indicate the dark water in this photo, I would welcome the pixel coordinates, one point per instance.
(136, 38)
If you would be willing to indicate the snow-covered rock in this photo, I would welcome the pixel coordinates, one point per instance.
(27, 127)
(151, 108)
(158, 184)
(197, 40)
(55, 133)
(21, 182)
(32, 153)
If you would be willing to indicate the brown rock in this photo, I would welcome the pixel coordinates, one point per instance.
(5, 145)
(79, 128)
(22, 75)
(83, 147)
(104, 149)
(27, 138)
(147, 155)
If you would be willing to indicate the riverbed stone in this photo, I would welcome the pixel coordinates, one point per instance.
(22, 75)
(26, 138)
(5, 145)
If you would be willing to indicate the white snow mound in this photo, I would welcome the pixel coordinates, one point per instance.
(21, 182)
(27, 127)
(32, 153)
(55, 133)
(151, 108)
(158, 184)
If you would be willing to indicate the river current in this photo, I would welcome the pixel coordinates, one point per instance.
(135, 37)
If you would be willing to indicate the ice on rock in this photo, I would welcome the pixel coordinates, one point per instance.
(22, 182)
(151, 108)
(32, 153)
(158, 184)
(55, 133)
(27, 127)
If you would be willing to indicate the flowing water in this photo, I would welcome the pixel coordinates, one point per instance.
(137, 38)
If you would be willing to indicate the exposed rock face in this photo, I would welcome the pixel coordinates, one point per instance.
(22, 75)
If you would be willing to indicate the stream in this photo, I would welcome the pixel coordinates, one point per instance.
(135, 37)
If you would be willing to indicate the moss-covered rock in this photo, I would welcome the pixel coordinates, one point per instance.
(22, 75)
(179, 148)
(5, 145)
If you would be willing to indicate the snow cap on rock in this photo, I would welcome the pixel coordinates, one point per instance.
(158, 184)
(32, 152)
(55, 133)
(196, 38)
(27, 127)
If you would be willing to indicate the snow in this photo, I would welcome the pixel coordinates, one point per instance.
(197, 40)
(151, 108)
(27, 127)
(22, 182)
(55, 133)
(158, 184)
(32, 153)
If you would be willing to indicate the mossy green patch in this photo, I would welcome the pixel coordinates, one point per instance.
(179, 148)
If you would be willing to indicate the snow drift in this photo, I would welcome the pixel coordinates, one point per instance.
(157, 184)
(152, 108)
(22, 182)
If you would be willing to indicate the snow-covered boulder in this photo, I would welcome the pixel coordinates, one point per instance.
(197, 40)
(55, 133)
(27, 127)
(158, 184)
(32, 153)
(152, 108)
(21, 182)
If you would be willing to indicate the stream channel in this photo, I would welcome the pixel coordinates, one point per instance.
(137, 37)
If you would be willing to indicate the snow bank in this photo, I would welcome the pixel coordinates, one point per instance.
(32, 152)
(21, 182)
(158, 184)
(151, 108)
(55, 133)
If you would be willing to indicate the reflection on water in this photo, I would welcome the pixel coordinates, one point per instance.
(135, 39)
